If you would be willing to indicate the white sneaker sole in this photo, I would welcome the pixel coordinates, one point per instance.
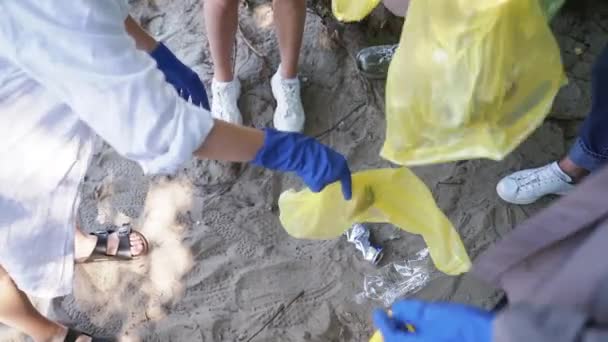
(526, 201)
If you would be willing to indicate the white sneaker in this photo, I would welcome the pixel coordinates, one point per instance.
(527, 186)
(289, 114)
(224, 105)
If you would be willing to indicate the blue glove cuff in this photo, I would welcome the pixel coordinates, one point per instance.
(185, 80)
(278, 151)
(164, 57)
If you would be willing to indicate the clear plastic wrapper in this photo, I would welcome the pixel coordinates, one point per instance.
(399, 279)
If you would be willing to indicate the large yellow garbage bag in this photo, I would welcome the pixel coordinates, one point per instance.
(394, 196)
(470, 79)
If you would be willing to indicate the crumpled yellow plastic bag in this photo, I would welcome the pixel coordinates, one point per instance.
(470, 79)
(352, 10)
(394, 196)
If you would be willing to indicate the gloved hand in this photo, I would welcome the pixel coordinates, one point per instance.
(434, 322)
(185, 80)
(317, 164)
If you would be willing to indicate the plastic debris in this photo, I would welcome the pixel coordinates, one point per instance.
(373, 61)
(359, 236)
(399, 279)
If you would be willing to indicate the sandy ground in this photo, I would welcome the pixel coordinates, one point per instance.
(222, 265)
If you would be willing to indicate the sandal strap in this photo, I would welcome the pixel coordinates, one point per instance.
(124, 244)
(101, 247)
(74, 334)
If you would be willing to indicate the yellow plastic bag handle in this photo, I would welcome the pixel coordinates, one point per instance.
(394, 196)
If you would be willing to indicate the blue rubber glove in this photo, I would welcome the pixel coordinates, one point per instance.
(317, 164)
(185, 80)
(434, 322)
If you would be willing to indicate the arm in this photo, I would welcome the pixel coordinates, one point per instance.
(230, 142)
(80, 52)
(143, 41)
(85, 57)
(185, 80)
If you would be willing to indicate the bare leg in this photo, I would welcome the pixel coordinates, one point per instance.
(221, 22)
(289, 16)
(18, 312)
(571, 169)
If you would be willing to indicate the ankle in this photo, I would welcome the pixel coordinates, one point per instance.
(223, 77)
(84, 246)
(288, 73)
(575, 172)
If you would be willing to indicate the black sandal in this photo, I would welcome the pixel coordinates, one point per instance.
(74, 334)
(100, 253)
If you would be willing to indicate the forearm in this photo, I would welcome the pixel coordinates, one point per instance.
(143, 41)
(231, 143)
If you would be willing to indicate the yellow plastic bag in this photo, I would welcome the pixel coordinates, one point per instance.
(394, 196)
(470, 79)
(352, 10)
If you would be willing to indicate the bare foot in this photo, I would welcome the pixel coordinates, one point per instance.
(576, 172)
(85, 244)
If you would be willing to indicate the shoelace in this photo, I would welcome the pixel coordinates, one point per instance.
(291, 94)
(222, 99)
(536, 179)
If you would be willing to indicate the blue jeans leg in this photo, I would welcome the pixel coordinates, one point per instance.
(590, 151)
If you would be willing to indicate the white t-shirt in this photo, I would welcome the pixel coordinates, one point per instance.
(69, 72)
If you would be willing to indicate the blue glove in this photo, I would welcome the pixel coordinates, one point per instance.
(434, 322)
(317, 164)
(185, 80)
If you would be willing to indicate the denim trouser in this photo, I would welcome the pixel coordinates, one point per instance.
(590, 151)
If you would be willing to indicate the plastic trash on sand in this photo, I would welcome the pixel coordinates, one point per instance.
(359, 235)
(470, 79)
(396, 281)
(399, 279)
(394, 196)
(374, 61)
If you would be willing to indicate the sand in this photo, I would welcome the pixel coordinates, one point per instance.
(221, 265)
